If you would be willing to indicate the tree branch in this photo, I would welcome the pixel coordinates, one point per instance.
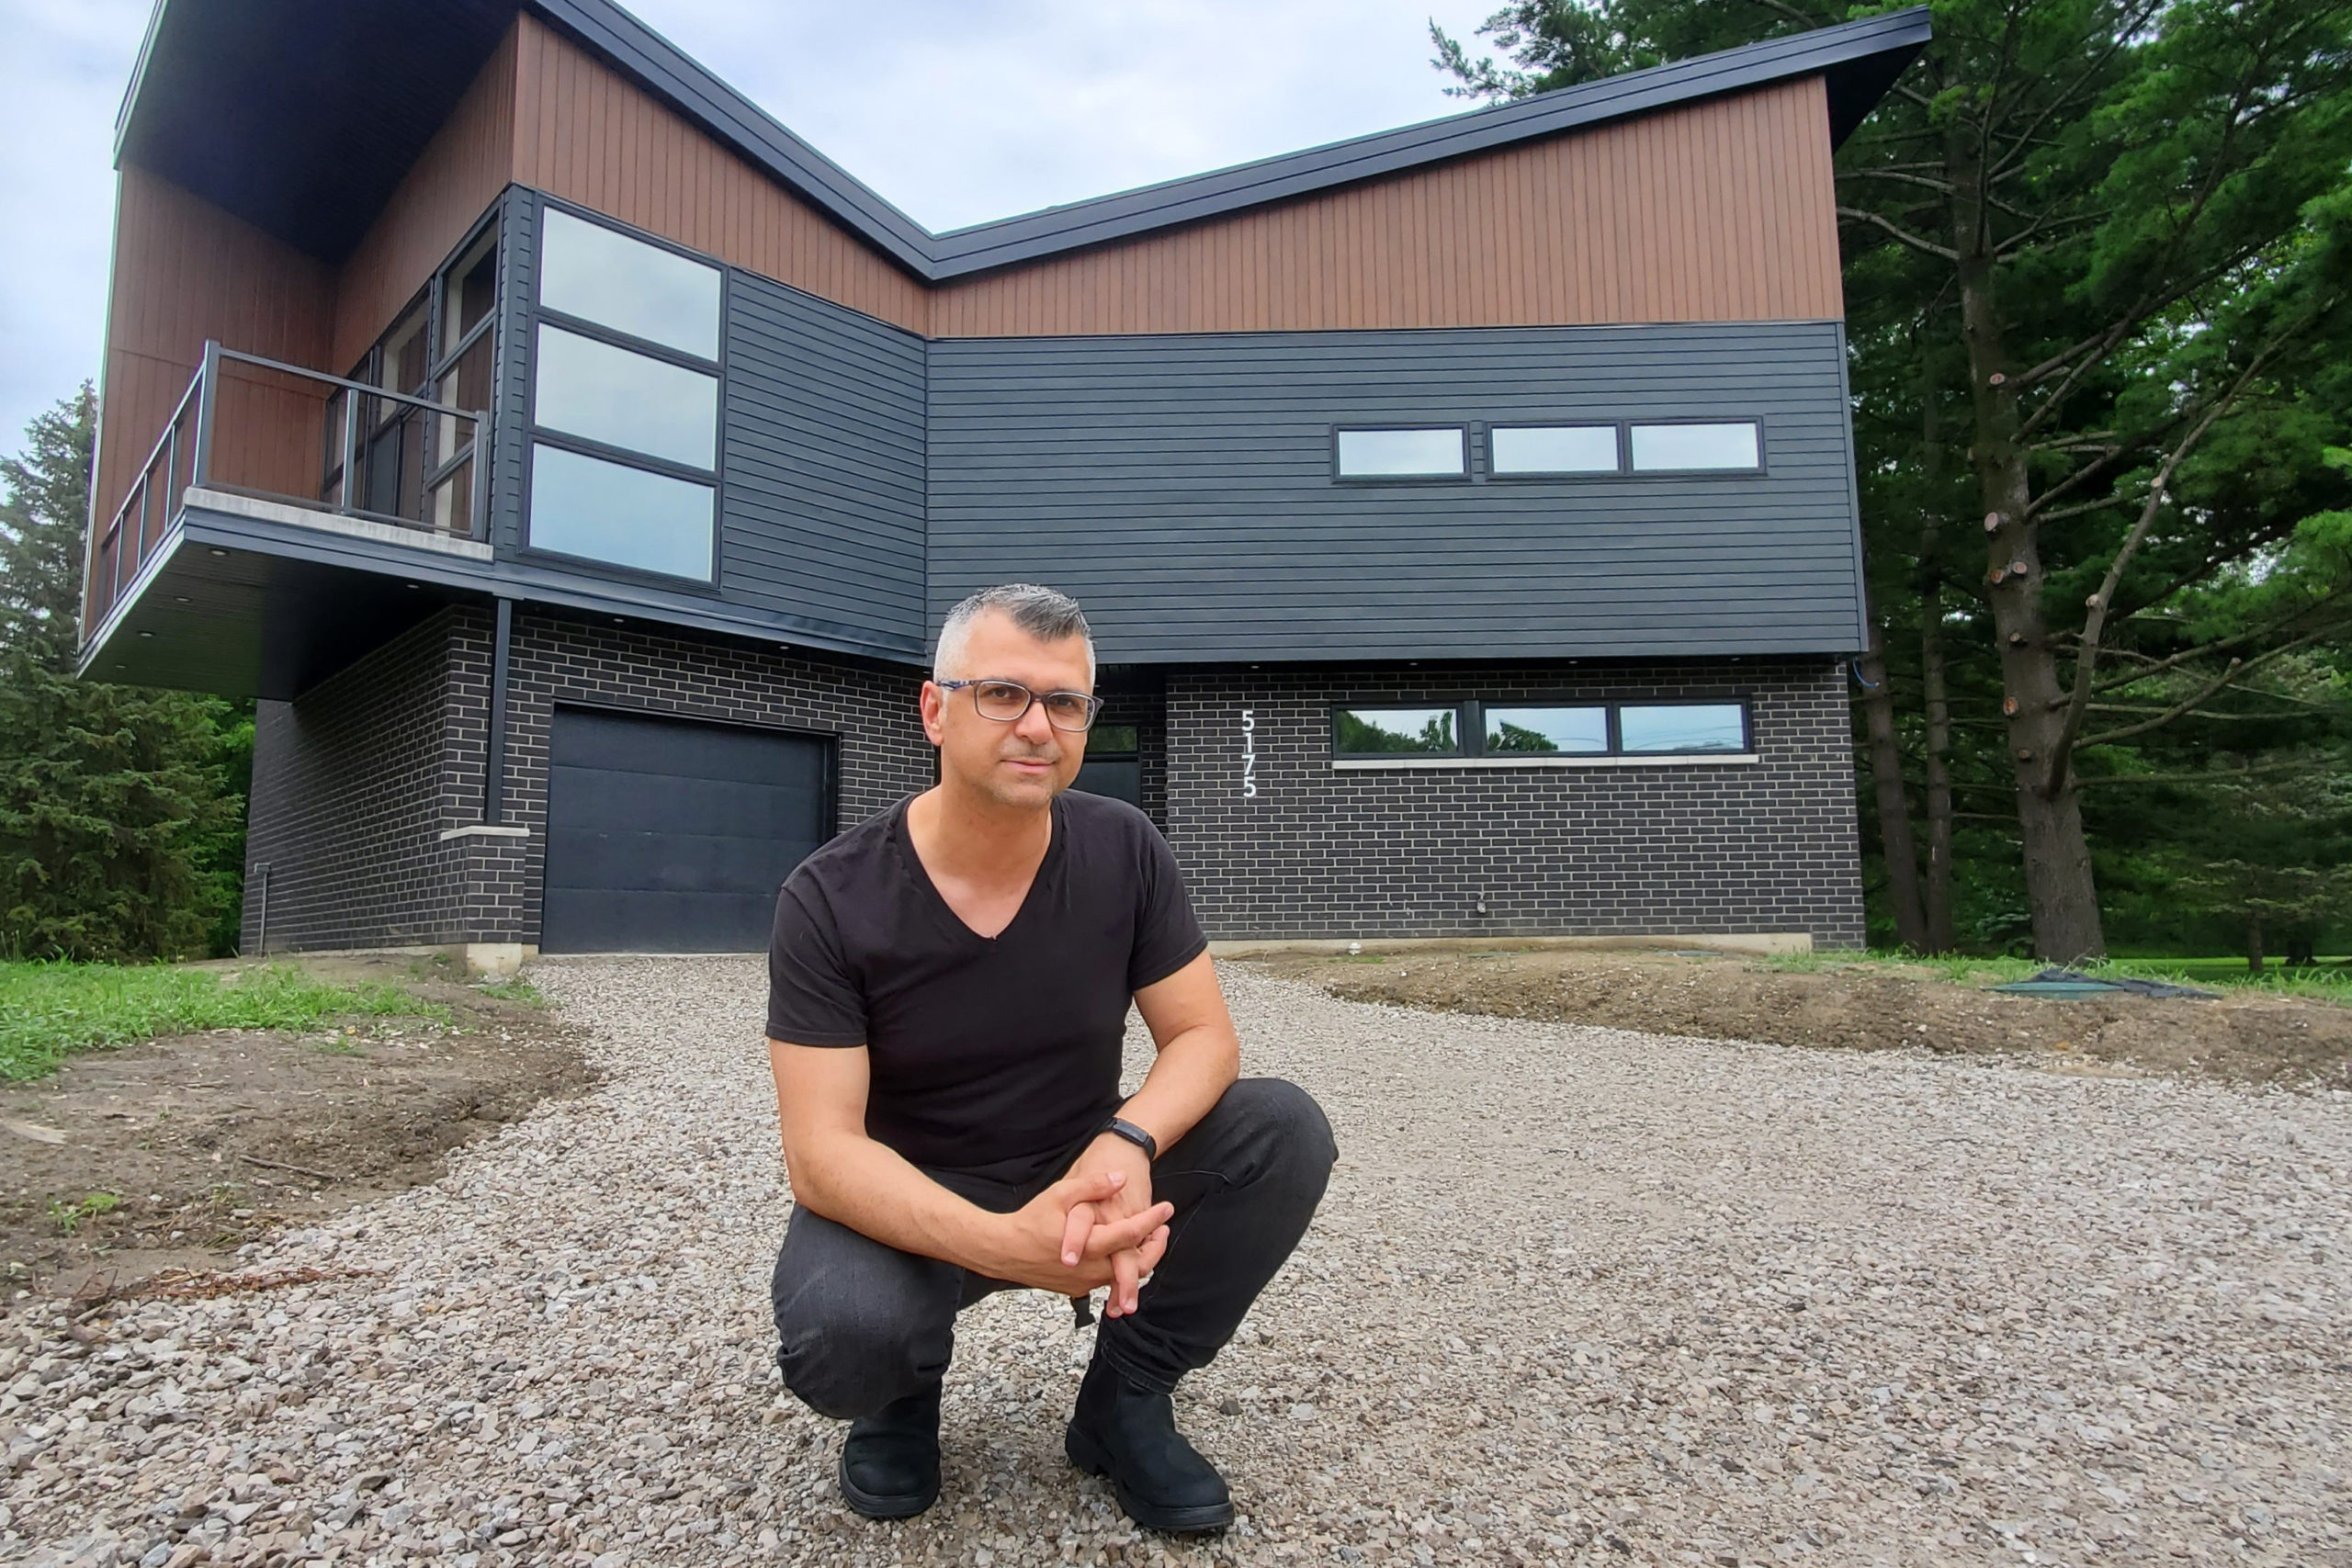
(2226, 775)
(1914, 241)
(2087, 659)
(2172, 661)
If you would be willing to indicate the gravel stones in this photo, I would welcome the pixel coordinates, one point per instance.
(1576, 1296)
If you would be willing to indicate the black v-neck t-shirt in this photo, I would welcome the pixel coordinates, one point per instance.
(990, 1055)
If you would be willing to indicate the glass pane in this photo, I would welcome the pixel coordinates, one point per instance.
(625, 399)
(452, 510)
(402, 366)
(585, 506)
(1683, 726)
(1376, 730)
(589, 271)
(1547, 730)
(1400, 454)
(470, 291)
(1553, 448)
(1696, 446)
(1111, 739)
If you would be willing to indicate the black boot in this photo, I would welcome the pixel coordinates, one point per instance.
(891, 1461)
(1130, 1434)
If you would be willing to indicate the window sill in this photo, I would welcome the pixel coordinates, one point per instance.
(483, 831)
(1663, 760)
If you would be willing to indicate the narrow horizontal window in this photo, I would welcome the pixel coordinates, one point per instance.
(608, 512)
(1404, 454)
(1549, 731)
(1682, 727)
(1111, 741)
(608, 394)
(602, 275)
(1664, 448)
(1380, 732)
(1552, 449)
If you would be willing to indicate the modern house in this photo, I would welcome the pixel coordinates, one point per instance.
(572, 460)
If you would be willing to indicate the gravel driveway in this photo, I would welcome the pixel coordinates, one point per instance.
(1575, 1296)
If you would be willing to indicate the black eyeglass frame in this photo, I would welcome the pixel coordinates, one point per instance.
(1093, 704)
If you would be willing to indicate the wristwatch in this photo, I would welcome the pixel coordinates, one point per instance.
(1119, 1127)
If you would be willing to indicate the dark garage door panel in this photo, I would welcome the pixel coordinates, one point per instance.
(673, 836)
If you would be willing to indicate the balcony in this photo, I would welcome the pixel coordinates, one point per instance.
(306, 441)
(283, 518)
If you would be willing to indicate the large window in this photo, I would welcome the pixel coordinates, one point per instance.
(625, 402)
(1440, 453)
(1519, 733)
(406, 462)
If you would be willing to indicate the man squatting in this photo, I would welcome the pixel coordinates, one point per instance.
(948, 990)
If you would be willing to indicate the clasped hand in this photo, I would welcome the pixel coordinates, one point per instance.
(1095, 1226)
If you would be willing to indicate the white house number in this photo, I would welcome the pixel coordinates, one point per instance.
(1249, 754)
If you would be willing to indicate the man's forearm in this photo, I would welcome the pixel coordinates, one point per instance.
(1188, 1078)
(871, 1187)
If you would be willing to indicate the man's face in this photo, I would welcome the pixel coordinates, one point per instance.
(1024, 764)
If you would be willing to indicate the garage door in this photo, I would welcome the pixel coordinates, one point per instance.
(669, 835)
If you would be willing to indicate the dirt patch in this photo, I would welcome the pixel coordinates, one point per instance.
(2241, 1038)
(172, 1154)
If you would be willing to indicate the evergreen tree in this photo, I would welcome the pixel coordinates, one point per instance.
(122, 836)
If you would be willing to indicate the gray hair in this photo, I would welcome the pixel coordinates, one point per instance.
(1044, 614)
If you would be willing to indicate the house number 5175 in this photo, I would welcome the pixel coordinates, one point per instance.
(1249, 754)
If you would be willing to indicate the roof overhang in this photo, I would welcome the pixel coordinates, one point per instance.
(301, 119)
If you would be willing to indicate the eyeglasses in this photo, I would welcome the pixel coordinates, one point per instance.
(1008, 702)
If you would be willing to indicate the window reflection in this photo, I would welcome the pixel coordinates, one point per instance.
(1553, 448)
(598, 274)
(1689, 446)
(1380, 730)
(608, 512)
(1401, 453)
(609, 394)
(1547, 730)
(1683, 726)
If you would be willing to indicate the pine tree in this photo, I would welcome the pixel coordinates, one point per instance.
(121, 828)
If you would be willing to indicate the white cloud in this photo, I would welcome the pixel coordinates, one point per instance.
(957, 110)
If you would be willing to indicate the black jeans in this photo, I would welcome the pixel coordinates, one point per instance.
(860, 1324)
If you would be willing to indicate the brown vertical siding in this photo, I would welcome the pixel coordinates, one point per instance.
(453, 182)
(1718, 211)
(587, 133)
(186, 271)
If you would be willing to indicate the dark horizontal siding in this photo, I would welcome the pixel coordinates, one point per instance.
(822, 516)
(1181, 487)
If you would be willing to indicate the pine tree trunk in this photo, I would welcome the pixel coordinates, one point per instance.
(2060, 891)
(1935, 897)
(2253, 944)
(1894, 811)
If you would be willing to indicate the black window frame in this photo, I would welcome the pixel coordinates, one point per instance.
(1470, 729)
(535, 435)
(1461, 428)
(1754, 421)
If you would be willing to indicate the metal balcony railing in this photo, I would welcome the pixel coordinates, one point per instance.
(276, 432)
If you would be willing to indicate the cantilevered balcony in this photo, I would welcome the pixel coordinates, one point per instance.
(253, 546)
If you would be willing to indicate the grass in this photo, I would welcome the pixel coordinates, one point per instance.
(514, 989)
(2330, 982)
(50, 1009)
(69, 1216)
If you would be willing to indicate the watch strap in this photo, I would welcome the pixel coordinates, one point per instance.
(1122, 1128)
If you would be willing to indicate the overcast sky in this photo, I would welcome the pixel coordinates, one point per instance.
(956, 110)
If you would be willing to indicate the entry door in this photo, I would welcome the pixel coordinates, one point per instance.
(673, 836)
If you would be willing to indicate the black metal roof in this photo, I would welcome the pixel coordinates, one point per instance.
(302, 118)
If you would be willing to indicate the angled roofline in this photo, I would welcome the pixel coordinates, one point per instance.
(1859, 60)
(1869, 54)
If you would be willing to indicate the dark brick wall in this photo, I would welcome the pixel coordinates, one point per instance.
(352, 785)
(1769, 846)
(354, 781)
